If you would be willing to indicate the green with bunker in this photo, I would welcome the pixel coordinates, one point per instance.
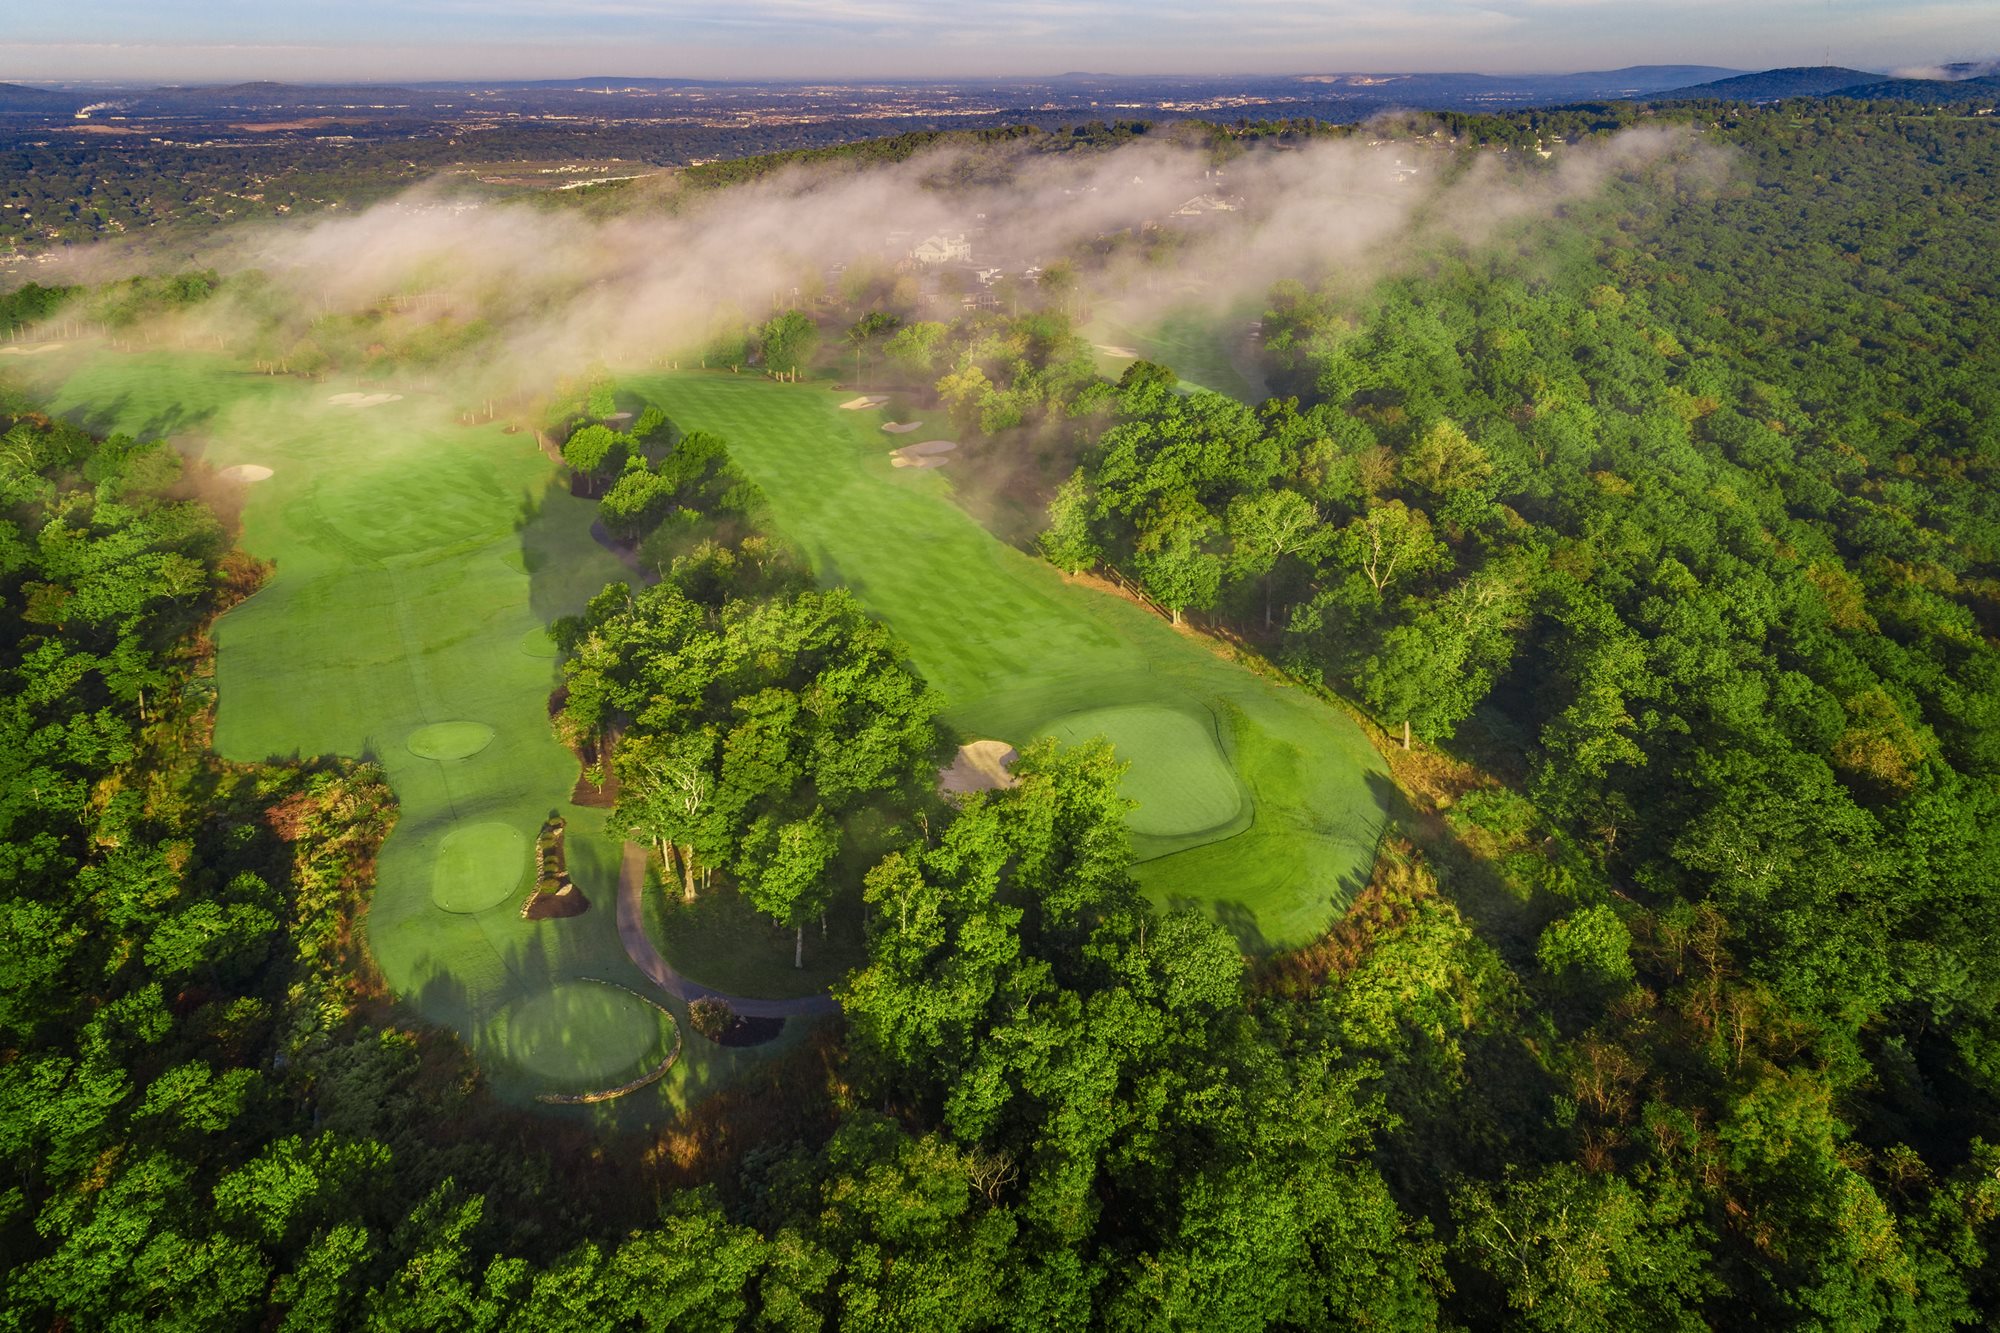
(402, 624)
(418, 560)
(1259, 803)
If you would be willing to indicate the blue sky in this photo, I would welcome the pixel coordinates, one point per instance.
(303, 39)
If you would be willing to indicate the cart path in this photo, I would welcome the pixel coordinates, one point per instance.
(639, 947)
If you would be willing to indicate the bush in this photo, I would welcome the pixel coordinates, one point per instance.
(1589, 947)
(711, 1016)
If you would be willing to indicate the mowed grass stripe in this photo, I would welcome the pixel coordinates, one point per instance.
(1015, 650)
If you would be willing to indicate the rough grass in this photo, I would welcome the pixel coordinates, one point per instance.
(1014, 647)
(1207, 350)
(723, 942)
(402, 599)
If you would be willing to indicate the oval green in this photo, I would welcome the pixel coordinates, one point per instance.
(446, 741)
(1176, 770)
(537, 643)
(478, 866)
(581, 1034)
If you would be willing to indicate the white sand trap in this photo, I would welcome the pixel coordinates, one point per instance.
(1112, 349)
(980, 766)
(246, 472)
(29, 351)
(900, 427)
(619, 416)
(931, 453)
(364, 399)
(862, 403)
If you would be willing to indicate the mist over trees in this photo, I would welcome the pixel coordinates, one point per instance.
(1659, 541)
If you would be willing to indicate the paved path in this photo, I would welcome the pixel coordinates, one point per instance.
(639, 947)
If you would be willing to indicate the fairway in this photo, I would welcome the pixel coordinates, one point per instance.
(1019, 652)
(417, 564)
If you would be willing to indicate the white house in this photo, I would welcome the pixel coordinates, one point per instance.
(1205, 203)
(943, 249)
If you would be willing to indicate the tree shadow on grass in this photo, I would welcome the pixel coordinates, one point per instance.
(107, 416)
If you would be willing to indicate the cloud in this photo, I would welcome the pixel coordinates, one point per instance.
(536, 293)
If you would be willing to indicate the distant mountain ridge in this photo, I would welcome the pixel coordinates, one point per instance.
(17, 97)
(1964, 82)
(1795, 81)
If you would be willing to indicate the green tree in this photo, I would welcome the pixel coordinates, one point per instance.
(1068, 541)
(1389, 543)
(1266, 528)
(786, 870)
(916, 346)
(788, 343)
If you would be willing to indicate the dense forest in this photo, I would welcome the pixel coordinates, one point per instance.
(1658, 540)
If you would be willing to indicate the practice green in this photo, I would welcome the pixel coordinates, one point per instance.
(445, 741)
(479, 866)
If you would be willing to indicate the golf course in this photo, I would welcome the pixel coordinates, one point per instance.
(1257, 802)
(417, 563)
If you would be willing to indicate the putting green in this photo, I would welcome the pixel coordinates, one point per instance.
(537, 643)
(445, 741)
(582, 1035)
(417, 561)
(479, 866)
(1017, 650)
(1175, 770)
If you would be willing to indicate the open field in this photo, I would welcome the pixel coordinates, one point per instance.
(417, 561)
(1261, 803)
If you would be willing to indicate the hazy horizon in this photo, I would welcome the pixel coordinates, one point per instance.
(846, 40)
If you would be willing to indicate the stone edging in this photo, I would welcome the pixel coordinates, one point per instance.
(653, 1075)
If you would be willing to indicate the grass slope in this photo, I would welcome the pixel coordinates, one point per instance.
(1017, 650)
(403, 624)
(1207, 349)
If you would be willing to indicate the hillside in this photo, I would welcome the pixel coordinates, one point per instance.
(17, 98)
(1934, 92)
(1773, 84)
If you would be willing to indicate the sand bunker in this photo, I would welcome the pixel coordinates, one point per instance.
(364, 399)
(862, 403)
(245, 472)
(931, 453)
(900, 427)
(29, 351)
(1112, 349)
(980, 766)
